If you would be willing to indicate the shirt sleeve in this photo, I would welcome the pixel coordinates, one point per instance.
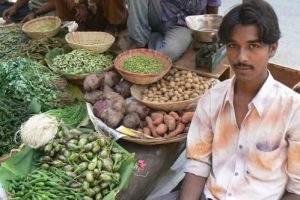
(199, 140)
(293, 165)
(213, 2)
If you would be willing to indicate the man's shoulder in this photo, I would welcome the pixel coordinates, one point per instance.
(284, 91)
(220, 86)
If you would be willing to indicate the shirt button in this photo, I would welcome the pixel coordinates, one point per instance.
(236, 173)
(229, 194)
(247, 172)
(240, 146)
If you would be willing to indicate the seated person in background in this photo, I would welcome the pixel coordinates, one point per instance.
(25, 10)
(93, 15)
(244, 139)
(160, 24)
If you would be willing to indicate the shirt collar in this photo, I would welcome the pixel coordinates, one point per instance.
(259, 101)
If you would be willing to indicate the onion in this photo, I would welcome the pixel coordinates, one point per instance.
(38, 130)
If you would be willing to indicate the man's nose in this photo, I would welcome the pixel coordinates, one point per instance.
(243, 55)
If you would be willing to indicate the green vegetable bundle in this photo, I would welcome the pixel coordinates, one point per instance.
(26, 80)
(80, 62)
(94, 162)
(12, 114)
(143, 65)
(38, 48)
(11, 39)
(44, 185)
(71, 116)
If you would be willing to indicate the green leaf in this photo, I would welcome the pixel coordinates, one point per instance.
(34, 106)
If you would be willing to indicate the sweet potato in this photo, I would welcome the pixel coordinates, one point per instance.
(93, 82)
(179, 129)
(170, 122)
(151, 126)
(131, 120)
(175, 115)
(161, 129)
(157, 118)
(139, 108)
(187, 117)
(93, 96)
(146, 131)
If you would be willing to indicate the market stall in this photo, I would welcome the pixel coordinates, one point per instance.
(79, 121)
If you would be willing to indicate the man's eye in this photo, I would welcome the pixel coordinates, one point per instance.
(232, 46)
(252, 46)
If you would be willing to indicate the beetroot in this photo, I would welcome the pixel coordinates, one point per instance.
(93, 96)
(93, 82)
(123, 88)
(139, 108)
(111, 78)
(131, 120)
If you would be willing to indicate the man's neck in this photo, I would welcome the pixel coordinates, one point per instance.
(248, 89)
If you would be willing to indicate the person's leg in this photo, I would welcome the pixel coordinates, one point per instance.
(174, 43)
(137, 23)
(167, 37)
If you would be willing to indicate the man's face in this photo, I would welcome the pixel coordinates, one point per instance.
(247, 55)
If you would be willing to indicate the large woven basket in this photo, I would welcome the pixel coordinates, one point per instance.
(94, 41)
(142, 79)
(190, 104)
(33, 28)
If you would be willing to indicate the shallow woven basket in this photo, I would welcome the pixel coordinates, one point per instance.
(6, 27)
(142, 79)
(31, 28)
(136, 92)
(94, 41)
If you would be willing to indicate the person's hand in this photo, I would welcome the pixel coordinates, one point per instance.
(81, 13)
(70, 4)
(9, 12)
(28, 17)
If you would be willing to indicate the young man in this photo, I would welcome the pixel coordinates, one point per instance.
(160, 24)
(244, 140)
(25, 10)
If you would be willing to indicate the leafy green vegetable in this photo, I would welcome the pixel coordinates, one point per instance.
(26, 80)
(143, 65)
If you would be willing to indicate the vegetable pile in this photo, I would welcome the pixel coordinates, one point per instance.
(11, 39)
(177, 85)
(93, 161)
(143, 65)
(37, 49)
(42, 184)
(12, 114)
(31, 82)
(167, 125)
(47, 27)
(81, 61)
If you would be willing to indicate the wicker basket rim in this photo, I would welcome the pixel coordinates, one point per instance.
(156, 141)
(296, 85)
(25, 26)
(108, 42)
(167, 65)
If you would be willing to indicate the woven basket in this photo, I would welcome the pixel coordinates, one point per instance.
(136, 92)
(33, 30)
(8, 27)
(156, 141)
(142, 79)
(94, 41)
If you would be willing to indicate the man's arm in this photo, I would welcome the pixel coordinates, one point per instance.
(13, 9)
(212, 9)
(50, 6)
(192, 187)
(290, 196)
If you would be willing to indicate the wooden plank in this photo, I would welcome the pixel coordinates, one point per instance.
(285, 75)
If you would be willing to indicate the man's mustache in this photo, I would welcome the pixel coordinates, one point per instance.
(237, 65)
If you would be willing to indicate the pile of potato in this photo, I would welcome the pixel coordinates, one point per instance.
(177, 85)
(167, 125)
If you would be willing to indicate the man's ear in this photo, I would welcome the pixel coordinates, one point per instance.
(273, 49)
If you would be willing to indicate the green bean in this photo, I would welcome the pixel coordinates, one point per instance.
(143, 65)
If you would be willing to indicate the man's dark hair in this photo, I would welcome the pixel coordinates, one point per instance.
(257, 12)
